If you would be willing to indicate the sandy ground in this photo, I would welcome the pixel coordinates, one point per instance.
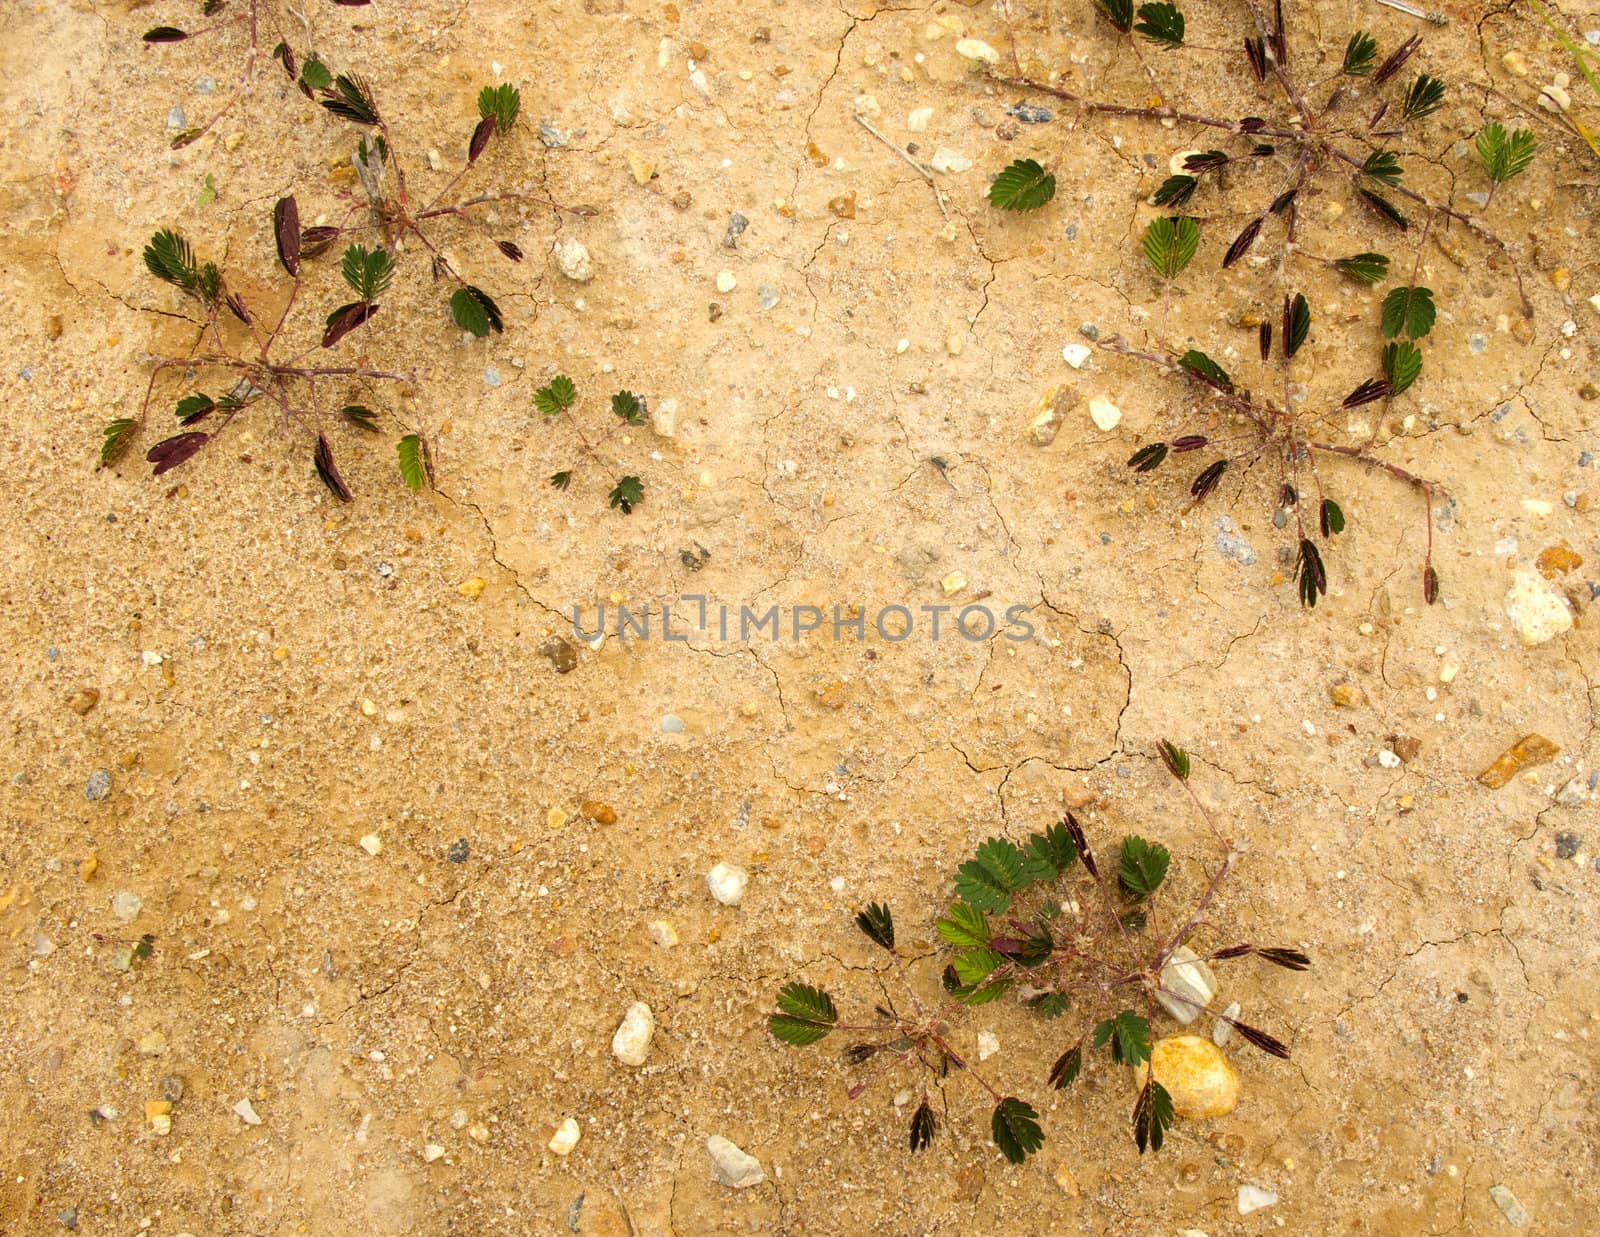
(280, 676)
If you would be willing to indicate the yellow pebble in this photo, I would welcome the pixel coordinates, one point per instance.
(473, 589)
(555, 818)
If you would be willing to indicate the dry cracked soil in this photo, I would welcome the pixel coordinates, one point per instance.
(396, 839)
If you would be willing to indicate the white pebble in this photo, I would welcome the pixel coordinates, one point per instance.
(726, 282)
(1075, 355)
(1254, 1198)
(949, 161)
(732, 1166)
(1537, 611)
(573, 261)
(432, 1152)
(372, 843)
(1388, 759)
(1104, 413)
(150, 657)
(727, 882)
(988, 1045)
(566, 1137)
(977, 49)
(631, 1043)
(917, 120)
(1221, 1029)
(246, 1112)
(662, 933)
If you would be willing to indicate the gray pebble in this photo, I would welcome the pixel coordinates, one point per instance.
(458, 851)
(98, 786)
(552, 137)
(1280, 518)
(172, 1088)
(125, 905)
(205, 85)
(1089, 331)
(491, 376)
(176, 119)
(737, 223)
(1230, 542)
(1031, 113)
(68, 1217)
(767, 296)
(1567, 845)
(1478, 343)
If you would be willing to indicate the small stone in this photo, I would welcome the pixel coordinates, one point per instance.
(726, 282)
(371, 843)
(1104, 413)
(126, 905)
(1388, 759)
(98, 786)
(867, 105)
(566, 1137)
(152, 1045)
(1076, 354)
(1538, 613)
(1528, 752)
(1187, 985)
(767, 296)
(1574, 794)
(977, 49)
(573, 261)
(917, 119)
(988, 1045)
(1065, 1181)
(172, 1088)
(954, 343)
(1031, 113)
(472, 589)
(1197, 1075)
(491, 377)
(1050, 412)
(631, 1043)
(1567, 844)
(1557, 560)
(82, 700)
(176, 120)
(1255, 1198)
(1516, 63)
(246, 1112)
(555, 818)
(43, 946)
(1515, 1213)
(552, 137)
(731, 1166)
(600, 813)
(432, 1152)
(457, 851)
(671, 724)
(68, 1217)
(1222, 1029)
(737, 223)
(949, 162)
(662, 933)
(563, 655)
(727, 883)
(1347, 695)
(641, 169)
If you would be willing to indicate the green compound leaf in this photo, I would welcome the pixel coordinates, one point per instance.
(1129, 1037)
(629, 408)
(1206, 370)
(1152, 1116)
(473, 310)
(987, 881)
(1402, 364)
(1050, 853)
(1016, 1129)
(964, 926)
(556, 396)
(1143, 866)
(367, 271)
(1023, 185)
(413, 461)
(1368, 268)
(503, 102)
(1359, 54)
(878, 924)
(1504, 156)
(1170, 244)
(360, 416)
(1332, 518)
(1175, 191)
(1067, 1068)
(1161, 24)
(627, 494)
(1408, 309)
(118, 436)
(351, 99)
(1383, 166)
(1118, 12)
(1424, 97)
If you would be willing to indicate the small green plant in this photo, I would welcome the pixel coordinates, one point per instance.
(556, 400)
(388, 206)
(241, 347)
(1041, 920)
(1278, 431)
(1347, 127)
(255, 17)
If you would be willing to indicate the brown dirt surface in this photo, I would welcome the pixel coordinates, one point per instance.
(268, 676)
